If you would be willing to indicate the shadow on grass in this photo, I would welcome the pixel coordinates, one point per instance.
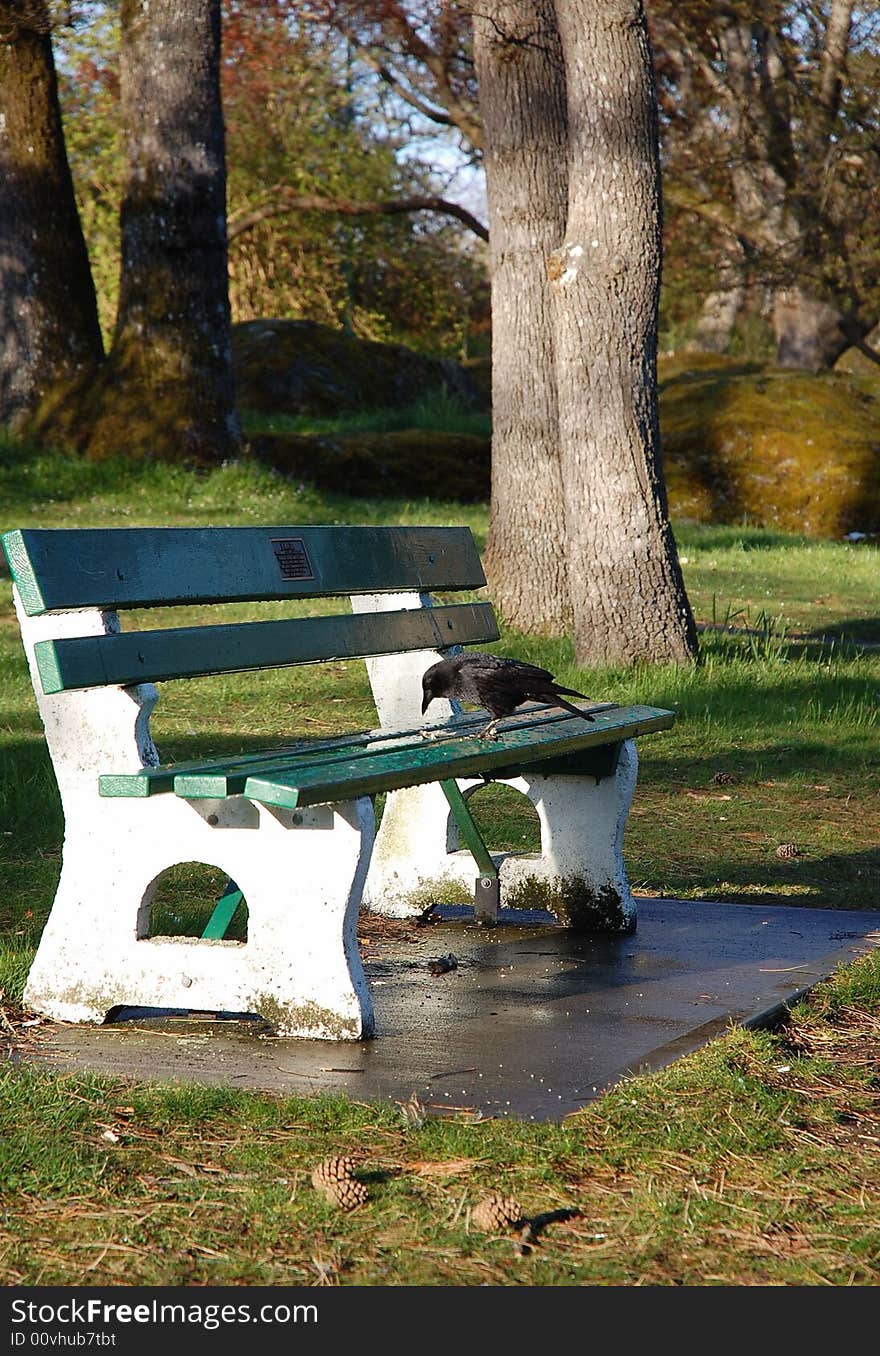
(837, 880)
(852, 631)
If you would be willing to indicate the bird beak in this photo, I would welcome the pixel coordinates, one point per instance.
(427, 698)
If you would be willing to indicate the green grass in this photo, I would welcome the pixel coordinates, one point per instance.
(438, 411)
(752, 1162)
(804, 586)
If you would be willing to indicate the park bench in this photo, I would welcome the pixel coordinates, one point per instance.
(291, 827)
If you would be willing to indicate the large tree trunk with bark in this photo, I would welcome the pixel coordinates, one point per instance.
(522, 99)
(49, 330)
(625, 581)
(166, 390)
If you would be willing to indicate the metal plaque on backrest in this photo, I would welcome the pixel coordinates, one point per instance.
(293, 558)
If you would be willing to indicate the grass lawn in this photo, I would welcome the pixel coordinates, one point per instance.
(753, 1162)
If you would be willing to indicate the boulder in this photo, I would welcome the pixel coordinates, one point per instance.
(417, 463)
(771, 447)
(298, 367)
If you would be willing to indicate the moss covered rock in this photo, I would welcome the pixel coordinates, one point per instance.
(421, 463)
(298, 367)
(742, 442)
(776, 448)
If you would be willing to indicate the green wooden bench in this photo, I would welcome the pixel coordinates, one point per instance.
(292, 827)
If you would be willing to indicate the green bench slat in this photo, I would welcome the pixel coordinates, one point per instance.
(455, 757)
(61, 568)
(218, 777)
(152, 781)
(231, 779)
(186, 652)
(223, 913)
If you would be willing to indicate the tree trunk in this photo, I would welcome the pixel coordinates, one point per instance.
(49, 328)
(807, 330)
(770, 189)
(522, 100)
(167, 388)
(718, 314)
(625, 581)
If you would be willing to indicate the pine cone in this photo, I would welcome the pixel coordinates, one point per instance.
(788, 850)
(348, 1193)
(494, 1213)
(332, 1171)
(723, 778)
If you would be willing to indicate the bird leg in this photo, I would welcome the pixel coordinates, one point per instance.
(489, 730)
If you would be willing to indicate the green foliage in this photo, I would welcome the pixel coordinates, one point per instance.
(304, 120)
(301, 120)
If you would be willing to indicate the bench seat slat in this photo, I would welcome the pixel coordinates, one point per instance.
(152, 781)
(453, 757)
(65, 568)
(218, 777)
(231, 780)
(131, 657)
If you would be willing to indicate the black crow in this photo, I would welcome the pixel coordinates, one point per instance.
(500, 685)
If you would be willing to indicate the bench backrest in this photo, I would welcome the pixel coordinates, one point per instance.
(106, 570)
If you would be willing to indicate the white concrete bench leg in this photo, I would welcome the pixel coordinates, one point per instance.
(579, 875)
(302, 875)
(300, 967)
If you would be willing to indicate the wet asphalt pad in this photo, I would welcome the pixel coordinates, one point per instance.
(527, 1019)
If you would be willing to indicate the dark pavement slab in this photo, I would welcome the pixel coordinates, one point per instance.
(532, 1022)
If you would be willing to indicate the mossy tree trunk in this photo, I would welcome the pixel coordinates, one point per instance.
(625, 581)
(166, 390)
(49, 331)
(522, 99)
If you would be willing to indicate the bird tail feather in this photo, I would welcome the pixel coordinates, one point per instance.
(570, 692)
(567, 706)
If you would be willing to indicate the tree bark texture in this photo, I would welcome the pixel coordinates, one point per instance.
(49, 329)
(167, 389)
(625, 581)
(522, 101)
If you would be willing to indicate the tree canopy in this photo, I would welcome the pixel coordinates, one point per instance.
(771, 137)
(327, 210)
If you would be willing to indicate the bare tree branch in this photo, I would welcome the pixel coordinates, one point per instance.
(442, 105)
(286, 202)
(870, 353)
